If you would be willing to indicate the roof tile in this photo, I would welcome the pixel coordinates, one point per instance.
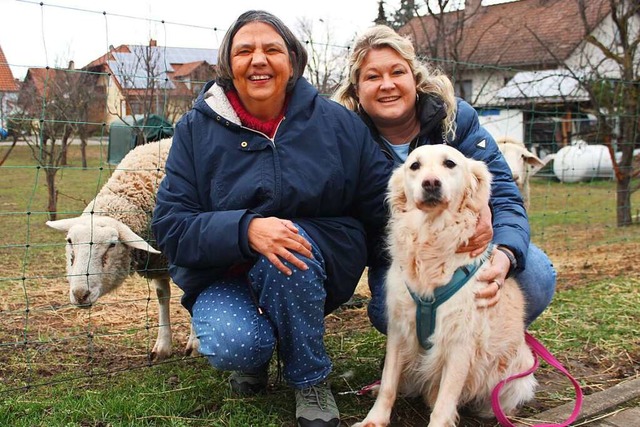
(531, 33)
(7, 82)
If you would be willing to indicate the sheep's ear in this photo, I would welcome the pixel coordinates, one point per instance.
(533, 161)
(131, 239)
(64, 224)
(396, 196)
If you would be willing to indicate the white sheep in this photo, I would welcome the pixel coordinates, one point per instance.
(522, 163)
(108, 241)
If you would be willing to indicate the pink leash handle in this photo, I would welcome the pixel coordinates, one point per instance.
(537, 349)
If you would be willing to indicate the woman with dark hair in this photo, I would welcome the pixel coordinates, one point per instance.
(270, 197)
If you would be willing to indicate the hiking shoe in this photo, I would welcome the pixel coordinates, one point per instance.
(316, 407)
(249, 383)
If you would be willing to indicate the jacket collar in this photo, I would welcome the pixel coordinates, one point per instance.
(217, 101)
(213, 102)
(431, 112)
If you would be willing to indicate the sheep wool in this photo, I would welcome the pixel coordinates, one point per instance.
(129, 196)
(130, 193)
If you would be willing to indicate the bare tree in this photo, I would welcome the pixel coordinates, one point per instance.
(17, 129)
(187, 89)
(327, 61)
(86, 94)
(52, 105)
(612, 79)
(142, 75)
(42, 107)
(73, 100)
(439, 31)
(606, 66)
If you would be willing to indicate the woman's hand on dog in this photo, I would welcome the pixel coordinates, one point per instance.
(277, 239)
(496, 270)
(494, 274)
(483, 235)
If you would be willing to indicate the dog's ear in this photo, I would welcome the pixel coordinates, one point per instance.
(396, 196)
(479, 189)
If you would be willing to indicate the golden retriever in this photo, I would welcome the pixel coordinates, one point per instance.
(435, 199)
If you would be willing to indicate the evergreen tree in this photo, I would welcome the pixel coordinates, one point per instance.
(382, 16)
(404, 14)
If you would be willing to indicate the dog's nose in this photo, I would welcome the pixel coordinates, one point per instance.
(431, 184)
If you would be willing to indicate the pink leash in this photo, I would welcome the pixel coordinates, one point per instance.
(537, 349)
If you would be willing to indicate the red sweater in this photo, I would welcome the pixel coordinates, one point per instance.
(247, 119)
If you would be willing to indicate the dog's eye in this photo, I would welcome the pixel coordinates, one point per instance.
(450, 164)
(415, 166)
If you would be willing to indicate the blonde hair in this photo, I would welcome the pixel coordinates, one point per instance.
(429, 80)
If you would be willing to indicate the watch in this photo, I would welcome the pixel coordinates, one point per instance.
(512, 259)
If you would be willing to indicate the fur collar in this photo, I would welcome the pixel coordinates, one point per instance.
(216, 99)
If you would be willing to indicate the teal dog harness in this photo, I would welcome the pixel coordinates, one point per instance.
(426, 307)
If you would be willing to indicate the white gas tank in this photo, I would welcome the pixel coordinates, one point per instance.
(582, 162)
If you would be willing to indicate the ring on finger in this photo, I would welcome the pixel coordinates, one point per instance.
(498, 283)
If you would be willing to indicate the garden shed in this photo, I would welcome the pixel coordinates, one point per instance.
(123, 135)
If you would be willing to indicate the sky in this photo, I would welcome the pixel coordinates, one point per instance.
(61, 30)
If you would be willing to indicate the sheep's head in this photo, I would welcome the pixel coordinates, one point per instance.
(521, 161)
(98, 255)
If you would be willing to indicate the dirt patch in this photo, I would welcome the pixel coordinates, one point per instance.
(615, 260)
(46, 336)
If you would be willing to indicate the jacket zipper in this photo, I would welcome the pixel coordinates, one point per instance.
(273, 140)
(276, 161)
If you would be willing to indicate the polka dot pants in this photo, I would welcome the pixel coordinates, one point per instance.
(235, 336)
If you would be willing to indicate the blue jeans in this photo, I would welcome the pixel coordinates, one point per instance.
(537, 281)
(235, 336)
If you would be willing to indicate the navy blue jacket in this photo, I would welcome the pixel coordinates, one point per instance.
(321, 170)
(510, 221)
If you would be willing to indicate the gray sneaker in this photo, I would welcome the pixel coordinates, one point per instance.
(316, 407)
(249, 383)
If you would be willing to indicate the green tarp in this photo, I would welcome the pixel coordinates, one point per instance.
(123, 136)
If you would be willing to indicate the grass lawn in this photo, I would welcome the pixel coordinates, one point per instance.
(63, 366)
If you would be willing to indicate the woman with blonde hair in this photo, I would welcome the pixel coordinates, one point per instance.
(406, 103)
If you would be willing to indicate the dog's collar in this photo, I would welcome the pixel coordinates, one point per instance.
(426, 307)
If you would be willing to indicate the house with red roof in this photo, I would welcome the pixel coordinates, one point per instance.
(137, 79)
(129, 80)
(495, 42)
(59, 102)
(521, 60)
(9, 88)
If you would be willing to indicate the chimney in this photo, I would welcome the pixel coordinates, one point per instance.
(72, 65)
(153, 43)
